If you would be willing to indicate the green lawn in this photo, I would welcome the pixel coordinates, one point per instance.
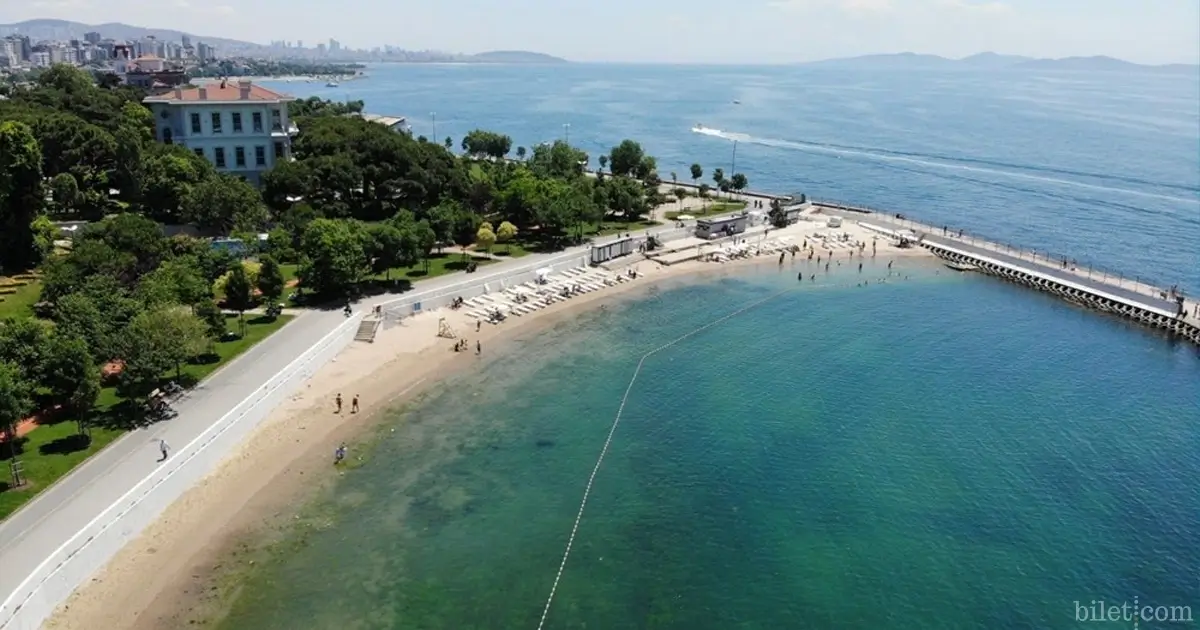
(605, 228)
(713, 209)
(510, 250)
(52, 450)
(439, 265)
(20, 304)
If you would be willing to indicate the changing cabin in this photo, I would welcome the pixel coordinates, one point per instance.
(721, 226)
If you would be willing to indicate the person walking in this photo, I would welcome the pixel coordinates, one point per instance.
(164, 448)
(478, 348)
(338, 400)
(354, 404)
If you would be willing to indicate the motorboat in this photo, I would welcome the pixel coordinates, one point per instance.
(331, 84)
(958, 266)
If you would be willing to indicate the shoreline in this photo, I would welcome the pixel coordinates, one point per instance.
(226, 523)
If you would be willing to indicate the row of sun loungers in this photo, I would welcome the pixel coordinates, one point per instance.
(749, 250)
(532, 296)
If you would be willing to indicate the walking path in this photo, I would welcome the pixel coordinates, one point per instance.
(1132, 290)
(43, 525)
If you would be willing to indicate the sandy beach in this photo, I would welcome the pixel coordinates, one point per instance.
(182, 570)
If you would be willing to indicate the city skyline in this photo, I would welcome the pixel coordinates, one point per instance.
(766, 31)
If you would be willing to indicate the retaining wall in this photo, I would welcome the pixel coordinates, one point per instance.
(419, 301)
(69, 566)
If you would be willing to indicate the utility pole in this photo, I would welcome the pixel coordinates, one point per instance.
(733, 162)
(433, 115)
(567, 132)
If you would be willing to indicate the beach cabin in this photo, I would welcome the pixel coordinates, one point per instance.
(615, 249)
(722, 226)
(835, 222)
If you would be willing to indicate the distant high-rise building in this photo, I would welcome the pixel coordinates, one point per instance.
(321, 49)
(334, 45)
(186, 40)
(299, 43)
(92, 38)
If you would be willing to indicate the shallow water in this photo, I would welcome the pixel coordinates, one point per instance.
(944, 451)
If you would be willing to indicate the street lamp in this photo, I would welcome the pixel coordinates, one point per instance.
(733, 162)
(433, 115)
(567, 132)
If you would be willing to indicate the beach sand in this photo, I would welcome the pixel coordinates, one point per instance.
(181, 571)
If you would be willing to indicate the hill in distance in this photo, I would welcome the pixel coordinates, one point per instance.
(67, 30)
(996, 61)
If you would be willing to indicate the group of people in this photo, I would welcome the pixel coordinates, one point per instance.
(462, 344)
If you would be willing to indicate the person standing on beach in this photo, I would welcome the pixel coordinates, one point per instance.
(164, 448)
(338, 400)
(339, 454)
(478, 348)
(354, 404)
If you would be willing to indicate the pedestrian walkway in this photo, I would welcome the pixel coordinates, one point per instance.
(43, 525)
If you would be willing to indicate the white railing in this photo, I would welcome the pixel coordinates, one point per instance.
(89, 549)
(419, 301)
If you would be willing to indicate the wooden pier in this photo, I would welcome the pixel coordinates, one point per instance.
(1108, 293)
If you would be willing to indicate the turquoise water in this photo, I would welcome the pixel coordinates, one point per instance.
(941, 451)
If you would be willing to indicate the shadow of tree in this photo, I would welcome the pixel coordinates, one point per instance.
(66, 445)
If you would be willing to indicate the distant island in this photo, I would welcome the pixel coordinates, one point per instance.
(65, 30)
(996, 61)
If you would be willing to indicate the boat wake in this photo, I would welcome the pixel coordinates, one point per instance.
(956, 164)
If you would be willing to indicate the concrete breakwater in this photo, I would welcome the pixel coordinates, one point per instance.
(1161, 309)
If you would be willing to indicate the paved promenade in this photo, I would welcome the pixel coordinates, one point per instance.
(33, 533)
(1125, 288)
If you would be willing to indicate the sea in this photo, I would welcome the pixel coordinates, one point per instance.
(904, 448)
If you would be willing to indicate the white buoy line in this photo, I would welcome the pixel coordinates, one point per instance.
(616, 421)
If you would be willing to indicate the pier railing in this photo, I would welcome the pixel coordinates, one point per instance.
(1084, 269)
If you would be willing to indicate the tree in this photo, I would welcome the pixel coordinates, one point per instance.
(603, 162)
(239, 294)
(71, 376)
(703, 192)
(155, 342)
(505, 233)
(485, 238)
(15, 404)
(333, 256)
(65, 191)
(626, 158)
(226, 203)
(777, 215)
(449, 143)
(21, 195)
(521, 153)
(697, 173)
(680, 194)
(718, 177)
(674, 178)
(738, 182)
(23, 343)
(387, 248)
(270, 280)
(214, 321)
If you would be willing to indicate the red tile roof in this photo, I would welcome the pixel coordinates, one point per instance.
(214, 92)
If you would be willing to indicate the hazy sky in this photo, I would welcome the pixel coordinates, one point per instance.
(1147, 31)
